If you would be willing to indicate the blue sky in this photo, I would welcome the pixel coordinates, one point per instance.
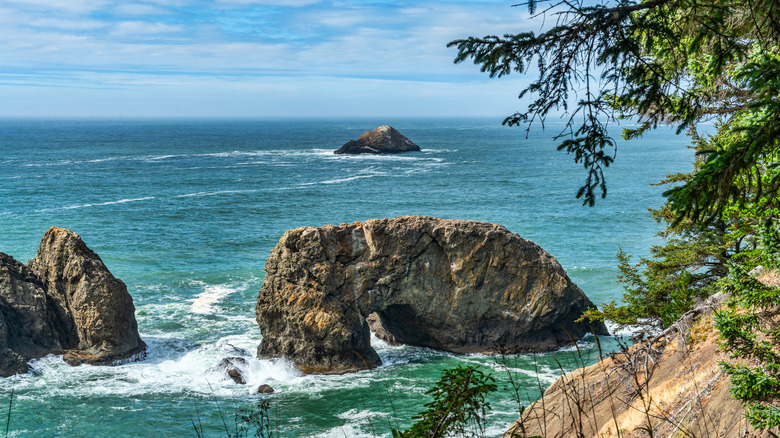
(250, 58)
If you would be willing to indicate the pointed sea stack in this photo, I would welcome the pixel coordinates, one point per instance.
(64, 301)
(382, 140)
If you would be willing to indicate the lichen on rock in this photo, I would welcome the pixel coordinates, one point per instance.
(452, 285)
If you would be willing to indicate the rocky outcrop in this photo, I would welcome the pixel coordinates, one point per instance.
(25, 327)
(671, 384)
(375, 325)
(233, 367)
(453, 285)
(265, 389)
(382, 140)
(65, 301)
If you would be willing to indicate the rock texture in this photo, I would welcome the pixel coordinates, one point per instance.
(453, 285)
(66, 301)
(673, 380)
(382, 140)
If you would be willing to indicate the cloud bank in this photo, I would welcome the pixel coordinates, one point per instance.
(249, 58)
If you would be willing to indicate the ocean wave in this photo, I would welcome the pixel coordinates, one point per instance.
(340, 180)
(101, 160)
(49, 163)
(218, 192)
(387, 157)
(358, 424)
(204, 303)
(120, 201)
(439, 151)
(166, 370)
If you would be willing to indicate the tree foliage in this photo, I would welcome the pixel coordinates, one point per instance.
(750, 334)
(458, 407)
(678, 62)
(692, 259)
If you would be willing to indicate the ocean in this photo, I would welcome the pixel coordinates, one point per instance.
(185, 212)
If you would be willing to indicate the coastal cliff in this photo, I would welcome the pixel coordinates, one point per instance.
(452, 285)
(65, 300)
(671, 385)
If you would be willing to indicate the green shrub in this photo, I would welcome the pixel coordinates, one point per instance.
(458, 405)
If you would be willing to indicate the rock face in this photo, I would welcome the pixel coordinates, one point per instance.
(382, 140)
(453, 285)
(66, 301)
(671, 384)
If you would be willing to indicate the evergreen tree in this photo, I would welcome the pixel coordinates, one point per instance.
(679, 62)
(750, 334)
(688, 265)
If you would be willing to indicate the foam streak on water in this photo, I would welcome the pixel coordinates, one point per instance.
(206, 301)
(185, 213)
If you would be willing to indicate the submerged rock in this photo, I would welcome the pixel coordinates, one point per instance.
(233, 367)
(382, 140)
(66, 301)
(452, 285)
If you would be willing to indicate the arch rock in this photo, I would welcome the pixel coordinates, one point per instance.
(453, 285)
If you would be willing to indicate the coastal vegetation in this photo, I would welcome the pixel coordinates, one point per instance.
(710, 70)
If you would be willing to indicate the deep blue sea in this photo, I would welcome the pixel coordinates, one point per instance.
(185, 212)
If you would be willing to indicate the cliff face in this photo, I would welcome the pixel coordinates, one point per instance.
(672, 384)
(66, 301)
(459, 286)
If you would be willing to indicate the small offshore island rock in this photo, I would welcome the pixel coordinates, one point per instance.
(452, 285)
(382, 140)
(64, 301)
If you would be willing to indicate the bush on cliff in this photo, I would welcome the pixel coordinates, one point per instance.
(458, 407)
(750, 333)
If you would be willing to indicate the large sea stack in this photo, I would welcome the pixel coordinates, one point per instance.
(382, 140)
(65, 301)
(452, 285)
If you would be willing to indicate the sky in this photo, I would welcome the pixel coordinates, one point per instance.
(250, 58)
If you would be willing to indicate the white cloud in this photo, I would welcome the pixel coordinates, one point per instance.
(139, 9)
(290, 3)
(68, 6)
(67, 24)
(144, 29)
(401, 49)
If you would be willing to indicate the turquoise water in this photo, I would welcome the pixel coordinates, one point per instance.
(185, 213)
